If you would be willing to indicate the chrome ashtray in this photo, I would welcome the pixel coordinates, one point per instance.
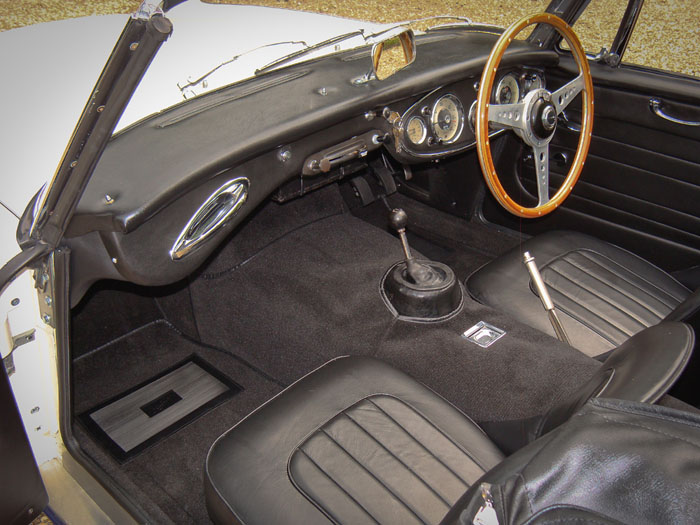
(483, 334)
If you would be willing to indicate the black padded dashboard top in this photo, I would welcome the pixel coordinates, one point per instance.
(156, 161)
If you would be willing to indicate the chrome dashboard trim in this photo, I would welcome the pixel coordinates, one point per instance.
(211, 216)
(405, 144)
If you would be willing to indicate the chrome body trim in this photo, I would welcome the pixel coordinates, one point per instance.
(656, 106)
(212, 215)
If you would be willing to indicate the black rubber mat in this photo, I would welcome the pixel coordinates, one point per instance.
(136, 419)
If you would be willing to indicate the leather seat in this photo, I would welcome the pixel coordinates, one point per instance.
(613, 462)
(352, 442)
(357, 441)
(604, 294)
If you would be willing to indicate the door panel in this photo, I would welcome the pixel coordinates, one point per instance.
(23, 495)
(640, 186)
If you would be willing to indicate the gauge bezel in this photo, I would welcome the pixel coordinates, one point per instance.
(424, 127)
(460, 116)
(523, 82)
(505, 78)
(434, 150)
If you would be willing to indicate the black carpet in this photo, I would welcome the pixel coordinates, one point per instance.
(463, 245)
(314, 295)
(304, 299)
(296, 286)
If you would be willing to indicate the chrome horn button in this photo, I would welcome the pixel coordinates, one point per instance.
(549, 117)
(541, 118)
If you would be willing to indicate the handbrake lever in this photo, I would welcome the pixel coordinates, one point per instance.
(547, 302)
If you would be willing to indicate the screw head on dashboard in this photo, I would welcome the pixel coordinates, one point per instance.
(284, 155)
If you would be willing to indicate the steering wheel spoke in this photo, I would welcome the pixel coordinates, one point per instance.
(508, 115)
(542, 172)
(565, 94)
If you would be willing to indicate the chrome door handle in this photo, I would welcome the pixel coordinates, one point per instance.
(655, 104)
(560, 158)
(568, 124)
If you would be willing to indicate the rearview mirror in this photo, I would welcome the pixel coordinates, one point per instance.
(393, 53)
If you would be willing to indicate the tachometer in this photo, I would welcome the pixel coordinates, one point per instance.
(508, 90)
(447, 119)
(416, 130)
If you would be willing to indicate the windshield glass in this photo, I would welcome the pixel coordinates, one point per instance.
(215, 45)
(242, 41)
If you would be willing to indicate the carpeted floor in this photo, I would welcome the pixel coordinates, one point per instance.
(167, 477)
(296, 286)
(314, 295)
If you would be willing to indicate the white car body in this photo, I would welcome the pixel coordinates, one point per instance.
(50, 70)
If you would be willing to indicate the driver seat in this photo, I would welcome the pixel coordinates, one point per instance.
(604, 294)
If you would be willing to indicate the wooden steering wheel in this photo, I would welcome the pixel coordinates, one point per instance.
(534, 119)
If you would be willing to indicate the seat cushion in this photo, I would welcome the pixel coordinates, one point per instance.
(604, 294)
(354, 441)
(612, 462)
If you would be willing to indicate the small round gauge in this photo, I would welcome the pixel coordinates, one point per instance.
(447, 119)
(531, 81)
(508, 90)
(416, 130)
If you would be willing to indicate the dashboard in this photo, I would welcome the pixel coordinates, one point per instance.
(200, 168)
(442, 122)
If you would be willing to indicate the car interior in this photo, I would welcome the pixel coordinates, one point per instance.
(292, 291)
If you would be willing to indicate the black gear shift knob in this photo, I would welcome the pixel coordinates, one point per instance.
(398, 219)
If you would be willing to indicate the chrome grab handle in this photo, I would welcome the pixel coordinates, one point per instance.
(216, 211)
(655, 104)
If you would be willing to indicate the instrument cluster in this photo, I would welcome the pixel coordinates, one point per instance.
(512, 87)
(435, 125)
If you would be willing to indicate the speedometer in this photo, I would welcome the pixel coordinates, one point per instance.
(447, 119)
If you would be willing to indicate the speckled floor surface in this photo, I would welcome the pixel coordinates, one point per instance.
(667, 35)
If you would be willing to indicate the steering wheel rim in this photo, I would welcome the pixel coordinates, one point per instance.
(518, 117)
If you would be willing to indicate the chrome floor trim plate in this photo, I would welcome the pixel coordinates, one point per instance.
(483, 334)
(163, 405)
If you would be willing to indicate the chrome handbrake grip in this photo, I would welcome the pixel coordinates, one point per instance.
(546, 299)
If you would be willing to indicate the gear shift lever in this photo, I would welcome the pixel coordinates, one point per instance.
(419, 290)
(420, 273)
(398, 220)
